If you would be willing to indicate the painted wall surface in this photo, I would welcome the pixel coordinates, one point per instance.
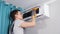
(48, 26)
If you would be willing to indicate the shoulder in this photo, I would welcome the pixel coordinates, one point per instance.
(19, 21)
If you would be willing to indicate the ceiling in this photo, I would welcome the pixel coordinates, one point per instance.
(26, 3)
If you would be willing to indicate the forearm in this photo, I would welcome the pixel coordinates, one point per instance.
(29, 24)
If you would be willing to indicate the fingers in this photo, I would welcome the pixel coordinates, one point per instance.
(34, 12)
(34, 9)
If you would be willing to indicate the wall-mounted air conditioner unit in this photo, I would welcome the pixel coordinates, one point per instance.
(41, 11)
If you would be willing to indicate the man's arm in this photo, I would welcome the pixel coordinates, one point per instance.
(29, 24)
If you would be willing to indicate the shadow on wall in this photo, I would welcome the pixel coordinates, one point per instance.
(40, 24)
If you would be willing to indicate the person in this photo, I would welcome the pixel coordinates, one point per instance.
(19, 23)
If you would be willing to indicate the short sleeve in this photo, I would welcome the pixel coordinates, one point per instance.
(18, 22)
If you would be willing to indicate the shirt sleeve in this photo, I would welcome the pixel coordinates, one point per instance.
(18, 22)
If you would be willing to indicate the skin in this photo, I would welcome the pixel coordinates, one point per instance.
(25, 24)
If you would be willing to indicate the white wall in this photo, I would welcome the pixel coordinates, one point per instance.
(48, 26)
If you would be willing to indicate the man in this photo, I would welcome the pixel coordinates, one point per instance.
(19, 24)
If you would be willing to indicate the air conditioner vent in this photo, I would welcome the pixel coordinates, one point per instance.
(28, 14)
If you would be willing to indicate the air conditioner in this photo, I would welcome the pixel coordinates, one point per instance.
(41, 11)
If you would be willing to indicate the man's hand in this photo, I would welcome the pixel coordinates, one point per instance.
(34, 10)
